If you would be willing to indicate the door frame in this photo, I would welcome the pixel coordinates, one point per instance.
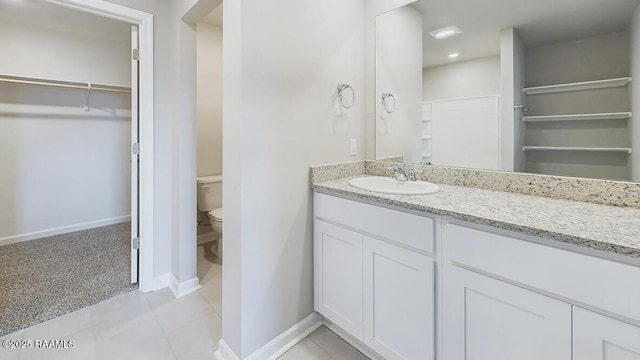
(135, 161)
(144, 21)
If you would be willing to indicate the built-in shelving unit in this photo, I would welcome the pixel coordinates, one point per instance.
(579, 114)
(570, 148)
(570, 158)
(579, 117)
(587, 85)
(426, 135)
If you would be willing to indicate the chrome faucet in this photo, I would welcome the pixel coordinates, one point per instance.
(400, 175)
(412, 175)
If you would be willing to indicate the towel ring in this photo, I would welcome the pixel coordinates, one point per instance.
(385, 96)
(343, 87)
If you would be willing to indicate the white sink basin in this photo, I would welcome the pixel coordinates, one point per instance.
(387, 185)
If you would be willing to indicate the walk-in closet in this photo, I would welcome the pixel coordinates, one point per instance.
(66, 184)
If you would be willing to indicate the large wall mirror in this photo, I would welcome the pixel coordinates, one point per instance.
(541, 87)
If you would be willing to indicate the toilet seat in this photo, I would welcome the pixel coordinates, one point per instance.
(216, 214)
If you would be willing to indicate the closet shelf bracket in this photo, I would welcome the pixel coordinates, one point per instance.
(87, 98)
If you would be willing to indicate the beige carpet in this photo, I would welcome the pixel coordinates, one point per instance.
(45, 278)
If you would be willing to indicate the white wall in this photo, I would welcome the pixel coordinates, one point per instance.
(233, 199)
(283, 60)
(164, 162)
(32, 50)
(464, 91)
(634, 67)
(63, 168)
(464, 79)
(399, 72)
(512, 70)
(209, 98)
(183, 250)
(372, 9)
(593, 58)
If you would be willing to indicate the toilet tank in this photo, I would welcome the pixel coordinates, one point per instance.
(209, 192)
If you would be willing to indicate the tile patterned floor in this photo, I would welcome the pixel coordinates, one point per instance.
(157, 326)
(323, 344)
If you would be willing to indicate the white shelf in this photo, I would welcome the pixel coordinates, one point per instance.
(565, 148)
(426, 155)
(587, 85)
(426, 138)
(578, 117)
(426, 120)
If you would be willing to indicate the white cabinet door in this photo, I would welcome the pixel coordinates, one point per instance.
(597, 337)
(338, 276)
(487, 319)
(398, 302)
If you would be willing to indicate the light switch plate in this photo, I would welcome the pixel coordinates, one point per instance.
(354, 146)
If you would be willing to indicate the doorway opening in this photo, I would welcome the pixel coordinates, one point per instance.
(208, 29)
(70, 189)
(145, 110)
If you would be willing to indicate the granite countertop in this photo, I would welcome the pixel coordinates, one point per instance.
(607, 228)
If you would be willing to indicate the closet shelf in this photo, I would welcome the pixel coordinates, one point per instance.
(63, 84)
(572, 117)
(566, 148)
(587, 85)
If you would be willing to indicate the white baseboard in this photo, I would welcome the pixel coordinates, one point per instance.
(278, 346)
(224, 352)
(62, 230)
(285, 341)
(180, 289)
(351, 340)
(161, 282)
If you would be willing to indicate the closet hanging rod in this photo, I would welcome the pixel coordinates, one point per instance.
(63, 84)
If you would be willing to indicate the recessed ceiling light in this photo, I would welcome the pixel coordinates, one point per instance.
(445, 32)
(453, 55)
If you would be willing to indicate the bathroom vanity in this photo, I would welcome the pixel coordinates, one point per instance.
(476, 274)
(375, 275)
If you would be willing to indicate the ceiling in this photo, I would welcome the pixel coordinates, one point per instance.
(42, 14)
(215, 17)
(538, 22)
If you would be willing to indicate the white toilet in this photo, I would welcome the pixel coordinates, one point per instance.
(210, 202)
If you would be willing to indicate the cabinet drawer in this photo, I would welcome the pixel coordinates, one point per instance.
(407, 229)
(579, 278)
